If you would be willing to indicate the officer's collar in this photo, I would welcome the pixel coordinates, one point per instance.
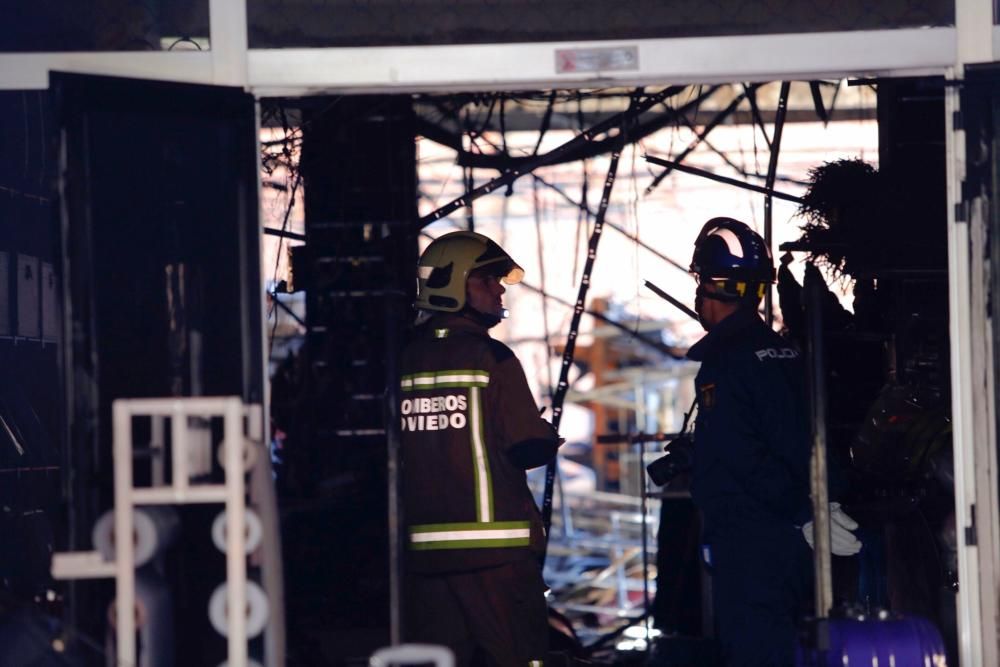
(723, 331)
(450, 322)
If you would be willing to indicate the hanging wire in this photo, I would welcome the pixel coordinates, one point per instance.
(634, 208)
(583, 214)
(721, 116)
(758, 119)
(546, 121)
(542, 284)
(468, 180)
(296, 182)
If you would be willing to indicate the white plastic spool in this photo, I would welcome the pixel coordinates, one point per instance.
(153, 530)
(256, 609)
(249, 454)
(252, 531)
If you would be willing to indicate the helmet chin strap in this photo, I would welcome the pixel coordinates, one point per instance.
(487, 320)
(717, 296)
(750, 299)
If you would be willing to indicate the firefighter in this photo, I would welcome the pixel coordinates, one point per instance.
(751, 454)
(470, 430)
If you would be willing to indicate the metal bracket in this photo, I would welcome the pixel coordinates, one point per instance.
(970, 530)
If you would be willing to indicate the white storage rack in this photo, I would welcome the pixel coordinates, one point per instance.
(191, 452)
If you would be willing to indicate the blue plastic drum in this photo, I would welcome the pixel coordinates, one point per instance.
(911, 641)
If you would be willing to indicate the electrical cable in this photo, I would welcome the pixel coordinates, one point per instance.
(758, 119)
(721, 116)
(545, 301)
(277, 261)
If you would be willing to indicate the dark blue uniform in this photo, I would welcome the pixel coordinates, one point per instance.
(751, 482)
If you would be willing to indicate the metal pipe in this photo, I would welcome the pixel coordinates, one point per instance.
(818, 479)
(295, 236)
(772, 170)
(672, 301)
(721, 179)
(124, 545)
(236, 561)
(395, 518)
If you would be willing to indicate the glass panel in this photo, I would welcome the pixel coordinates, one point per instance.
(106, 25)
(318, 23)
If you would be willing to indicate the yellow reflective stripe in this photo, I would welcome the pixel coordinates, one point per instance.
(480, 461)
(453, 378)
(481, 534)
(470, 535)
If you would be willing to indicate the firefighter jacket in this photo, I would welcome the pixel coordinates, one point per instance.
(470, 428)
(752, 434)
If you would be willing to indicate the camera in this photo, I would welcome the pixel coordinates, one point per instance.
(679, 459)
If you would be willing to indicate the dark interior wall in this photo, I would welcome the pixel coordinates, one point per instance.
(914, 243)
(100, 25)
(906, 448)
(357, 267)
(31, 450)
(160, 244)
(316, 23)
(115, 25)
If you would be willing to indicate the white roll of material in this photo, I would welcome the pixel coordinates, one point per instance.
(256, 611)
(250, 663)
(252, 531)
(153, 530)
(249, 453)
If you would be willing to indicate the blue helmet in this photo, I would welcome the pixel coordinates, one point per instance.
(734, 258)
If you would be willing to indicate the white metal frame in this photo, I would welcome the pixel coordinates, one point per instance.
(971, 367)
(191, 455)
(181, 491)
(500, 66)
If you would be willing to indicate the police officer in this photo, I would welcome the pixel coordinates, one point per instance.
(751, 453)
(470, 429)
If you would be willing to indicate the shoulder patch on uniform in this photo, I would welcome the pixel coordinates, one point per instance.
(706, 396)
(500, 351)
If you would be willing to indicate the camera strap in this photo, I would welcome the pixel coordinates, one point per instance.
(687, 415)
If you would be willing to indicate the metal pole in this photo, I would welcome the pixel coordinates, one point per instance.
(818, 481)
(236, 559)
(393, 325)
(124, 545)
(772, 170)
(644, 509)
(672, 301)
